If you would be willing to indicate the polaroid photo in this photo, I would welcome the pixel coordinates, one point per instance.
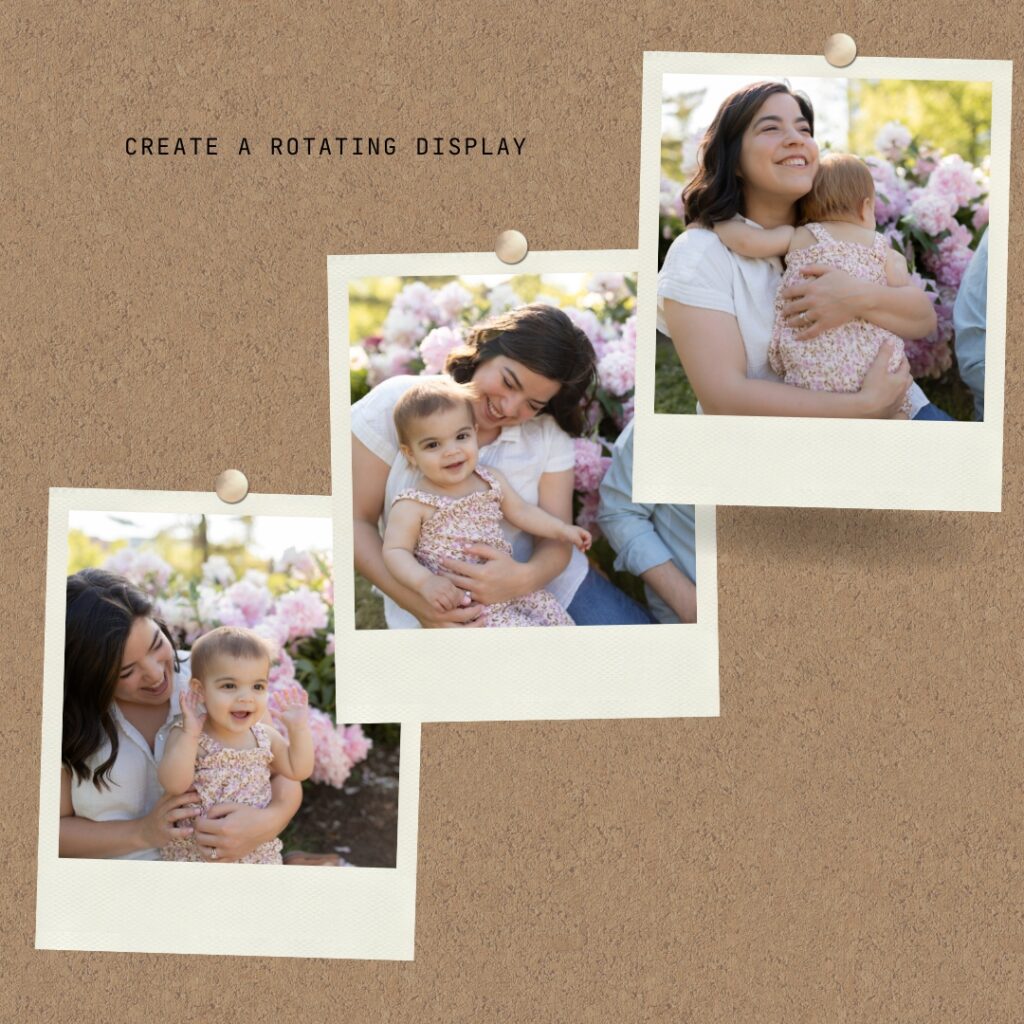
(482, 445)
(823, 257)
(197, 792)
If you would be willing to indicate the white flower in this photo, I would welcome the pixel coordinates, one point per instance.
(357, 358)
(402, 328)
(452, 299)
(503, 297)
(217, 569)
(892, 140)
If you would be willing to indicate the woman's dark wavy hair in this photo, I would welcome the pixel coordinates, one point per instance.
(544, 340)
(715, 193)
(101, 610)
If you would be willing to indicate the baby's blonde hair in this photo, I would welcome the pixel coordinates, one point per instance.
(430, 396)
(840, 187)
(232, 641)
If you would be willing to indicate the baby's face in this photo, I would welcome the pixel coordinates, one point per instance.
(235, 691)
(443, 446)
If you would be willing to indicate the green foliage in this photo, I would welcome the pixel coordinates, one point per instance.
(314, 667)
(672, 390)
(384, 734)
(952, 116)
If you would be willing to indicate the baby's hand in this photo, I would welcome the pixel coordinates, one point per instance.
(442, 593)
(577, 536)
(192, 717)
(291, 704)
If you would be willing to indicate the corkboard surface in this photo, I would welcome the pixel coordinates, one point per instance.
(842, 844)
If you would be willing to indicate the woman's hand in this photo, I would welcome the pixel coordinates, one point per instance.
(498, 578)
(160, 826)
(883, 392)
(229, 831)
(825, 298)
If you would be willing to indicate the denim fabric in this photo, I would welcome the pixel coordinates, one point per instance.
(600, 603)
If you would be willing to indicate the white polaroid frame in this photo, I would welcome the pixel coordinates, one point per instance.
(502, 674)
(156, 907)
(766, 460)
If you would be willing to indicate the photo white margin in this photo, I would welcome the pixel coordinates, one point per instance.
(830, 463)
(652, 671)
(154, 907)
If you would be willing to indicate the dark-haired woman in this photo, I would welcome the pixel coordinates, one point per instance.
(758, 160)
(533, 370)
(122, 678)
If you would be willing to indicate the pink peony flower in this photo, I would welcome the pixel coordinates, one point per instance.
(402, 329)
(303, 611)
(587, 322)
(893, 140)
(617, 371)
(357, 745)
(980, 218)
(398, 360)
(329, 647)
(932, 212)
(298, 563)
(591, 464)
(503, 297)
(609, 286)
(435, 347)
(890, 191)
(331, 762)
(251, 600)
(217, 570)
(145, 569)
(451, 300)
(954, 178)
(628, 409)
(417, 299)
(282, 672)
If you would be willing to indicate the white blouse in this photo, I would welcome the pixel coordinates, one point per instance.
(700, 270)
(523, 453)
(132, 789)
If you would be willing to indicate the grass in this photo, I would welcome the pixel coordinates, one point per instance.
(672, 391)
(369, 605)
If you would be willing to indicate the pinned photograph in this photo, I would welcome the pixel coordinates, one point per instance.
(818, 259)
(196, 725)
(488, 421)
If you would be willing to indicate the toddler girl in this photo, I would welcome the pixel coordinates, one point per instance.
(839, 231)
(228, 754)
(459, 502)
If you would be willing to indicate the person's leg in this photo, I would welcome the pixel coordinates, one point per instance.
(931, 412)
(600, 603)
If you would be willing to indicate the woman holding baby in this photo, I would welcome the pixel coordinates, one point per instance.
(532, 371)
(758, 162)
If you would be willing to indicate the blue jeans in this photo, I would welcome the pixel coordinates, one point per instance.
(931, 412)
(600, 603)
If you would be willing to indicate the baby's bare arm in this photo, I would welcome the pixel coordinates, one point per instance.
(535, 520)
(177, 769)
(756, 243)
(400, 537)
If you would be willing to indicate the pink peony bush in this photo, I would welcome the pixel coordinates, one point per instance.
(295, 616)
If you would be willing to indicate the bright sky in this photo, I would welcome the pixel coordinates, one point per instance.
(827, 96)
(271, 535)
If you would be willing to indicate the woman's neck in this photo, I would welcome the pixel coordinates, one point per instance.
(485, 437)
(769, 211)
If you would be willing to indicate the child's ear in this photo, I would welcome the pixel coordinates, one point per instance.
(196, 686)
(407, 452)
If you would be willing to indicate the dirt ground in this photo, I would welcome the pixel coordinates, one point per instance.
(359, 822)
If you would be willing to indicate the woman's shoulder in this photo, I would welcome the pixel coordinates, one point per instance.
(697, 251)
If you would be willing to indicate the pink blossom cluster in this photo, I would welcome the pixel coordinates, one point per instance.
(436, 346)
(146, 569)
(591, 464)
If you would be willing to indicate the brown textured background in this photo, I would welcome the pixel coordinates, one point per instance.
(844, 843)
